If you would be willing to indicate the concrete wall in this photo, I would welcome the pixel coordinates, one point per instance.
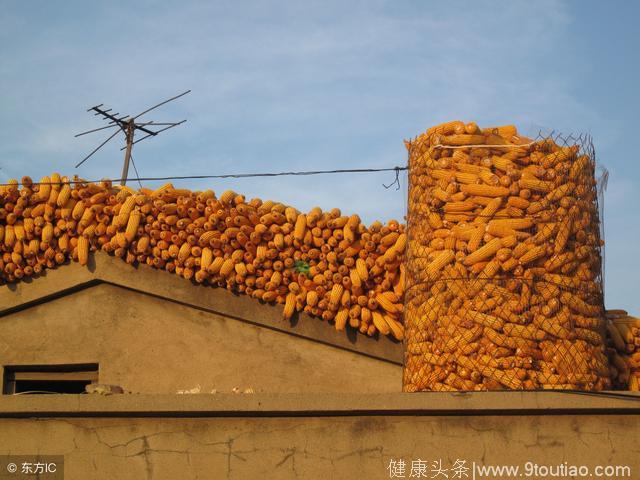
(319, 437)
(148, 344)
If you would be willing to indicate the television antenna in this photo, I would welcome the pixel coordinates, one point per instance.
(128, 125)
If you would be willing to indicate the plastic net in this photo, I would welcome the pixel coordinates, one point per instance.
(503, 262)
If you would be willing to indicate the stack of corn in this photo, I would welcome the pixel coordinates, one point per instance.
(624, 335)
(503, 263)
(321, 262)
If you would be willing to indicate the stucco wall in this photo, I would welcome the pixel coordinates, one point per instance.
(282, 437)
(149, 345)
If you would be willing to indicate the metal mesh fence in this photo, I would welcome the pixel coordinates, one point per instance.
(503, 262)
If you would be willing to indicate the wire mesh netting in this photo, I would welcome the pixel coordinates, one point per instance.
(503, 262)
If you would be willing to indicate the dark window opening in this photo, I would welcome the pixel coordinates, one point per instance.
(43, 379)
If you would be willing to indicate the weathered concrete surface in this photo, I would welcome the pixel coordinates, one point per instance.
(333, 404)
(248, 443)
(147, 344)
(103, 268)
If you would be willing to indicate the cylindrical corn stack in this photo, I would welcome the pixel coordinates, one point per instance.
(503, 287)
(624, 341)
(324, 263)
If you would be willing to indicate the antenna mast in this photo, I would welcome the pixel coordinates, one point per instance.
(128, 125)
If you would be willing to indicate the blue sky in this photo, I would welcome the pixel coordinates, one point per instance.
(326, 84)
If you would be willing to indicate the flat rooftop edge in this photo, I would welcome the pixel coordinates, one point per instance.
(318, 405)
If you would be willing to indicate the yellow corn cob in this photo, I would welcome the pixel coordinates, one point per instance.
(207, 236)
(485, 190)
(34, 246)
(564, 231)
(488, 177)
(361, 268)
(512, 223)
(355, 278)
(143, 244)
(558, 260)
(396, 328)
(386, 304)
(576, 303)
(442, 174)
(47, 233)
(261, 252)
(401, 243)
(216, 266)
(184, 252)
(499, 230)
(123, 215)
(19, 231)
(464, 139)
(389, 239)
(486, 320)
(78, 210)
(227, 267)
(578, 166)
(535, 184)
(312, 298)
(488, 211)
(466, 177)
(528, 332)
(132, 225)
(564, 154)
(127, 189)
(90, 231)
(63, 243)
(486, 251)
(439, 262)
(506, 131)
(64, 195)
(341, 319)
(476, 238)
(164, 188)
(227, 196)
(206, 258)
(289, 306)
(291, 214)
(336, 293)
(300, 227)
(83, 250)
(380, 323)
(454, 207)
(241, 269)
(444, 128)
(120, 239)
(502, 163)
(44, 189)
(563, 190)
(467, 167)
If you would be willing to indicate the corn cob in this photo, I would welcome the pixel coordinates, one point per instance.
(83, 250)
(289, 306)
(485, 190)
(336, 293)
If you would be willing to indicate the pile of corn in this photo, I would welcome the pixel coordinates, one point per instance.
(323, 263)
(503, 264)
(624, 334)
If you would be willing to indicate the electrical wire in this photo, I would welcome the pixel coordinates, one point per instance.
(136, 170)
(230, 175)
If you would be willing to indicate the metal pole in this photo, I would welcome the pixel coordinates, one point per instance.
(127, 153)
